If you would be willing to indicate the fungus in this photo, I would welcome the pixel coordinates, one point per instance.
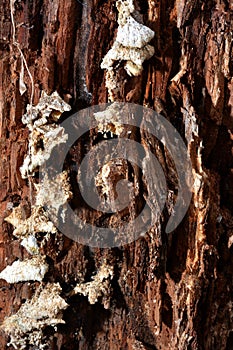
(44, 309)
(45, 134)
(98, 287)
(131, 45)
(32, 269)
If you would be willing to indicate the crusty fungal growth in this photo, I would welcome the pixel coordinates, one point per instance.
(53, 193)
(109, 120)
(30, 244)
(131, 45)
(98, 288)
(133, 34)
(44, 309)
(49, 109)
(44, 133)
(111, 83)
(41, 143)
(125, 8)
(25, 327)
(38, 221)
(32, 269)
(133, 55)
(26, 228)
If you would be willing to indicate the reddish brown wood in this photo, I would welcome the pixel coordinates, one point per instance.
(170, 292)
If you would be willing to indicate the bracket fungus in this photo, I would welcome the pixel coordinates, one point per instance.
(44, 309)
(131, 45)
(32, 269)
(45, 134)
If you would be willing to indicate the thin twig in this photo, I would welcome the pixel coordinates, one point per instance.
(15, 43)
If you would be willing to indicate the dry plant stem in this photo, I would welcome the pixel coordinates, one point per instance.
(15, 42)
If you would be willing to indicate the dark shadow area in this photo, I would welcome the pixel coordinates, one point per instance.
(229, 345)
(82, 315)
(167, 313)
(178, 244)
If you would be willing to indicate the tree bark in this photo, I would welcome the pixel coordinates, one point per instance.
(168, 291)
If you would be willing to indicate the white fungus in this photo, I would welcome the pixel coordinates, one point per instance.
(131, 45)
(53, 193)
(99, 287)
(44, 309)
(45, 134)
(133, 34)
(30, 244)
(32, 269)
(38, 221)
(110, 119)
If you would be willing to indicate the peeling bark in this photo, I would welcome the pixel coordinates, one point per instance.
(167, 291)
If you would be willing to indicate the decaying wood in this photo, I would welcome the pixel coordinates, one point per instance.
(167, 291)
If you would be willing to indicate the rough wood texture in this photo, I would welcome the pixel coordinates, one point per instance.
(169, 292)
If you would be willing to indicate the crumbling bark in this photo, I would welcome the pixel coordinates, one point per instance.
(169, 291)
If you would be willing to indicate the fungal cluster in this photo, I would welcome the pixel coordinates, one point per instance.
(109, 120)
(25, 327)
(37, 221)
(44, 309)
(99, 287)
(53, 193)
(45, 134)
(131, 45)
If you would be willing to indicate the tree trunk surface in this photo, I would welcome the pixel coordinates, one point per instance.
(168, 291)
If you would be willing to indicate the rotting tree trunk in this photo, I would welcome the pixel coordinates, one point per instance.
(169, 292)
